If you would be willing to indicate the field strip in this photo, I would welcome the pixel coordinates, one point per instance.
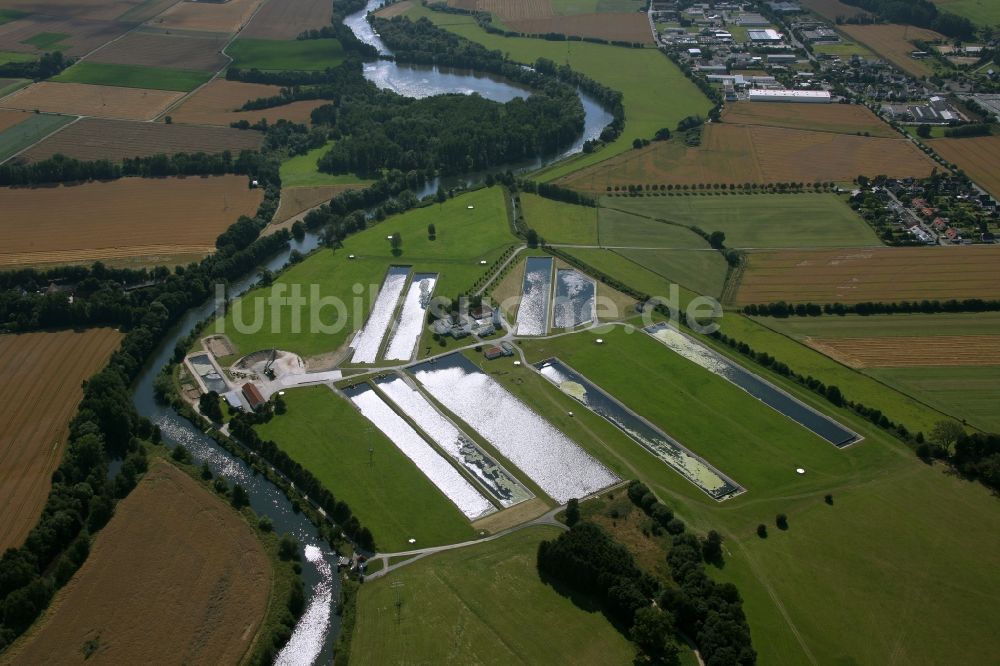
(50, 134)
(911, 351)
(65, 256)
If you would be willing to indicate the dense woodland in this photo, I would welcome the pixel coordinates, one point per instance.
(921, 13)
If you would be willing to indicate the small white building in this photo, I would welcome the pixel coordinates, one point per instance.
(784, 95)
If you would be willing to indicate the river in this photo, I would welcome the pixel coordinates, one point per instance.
(314, 636)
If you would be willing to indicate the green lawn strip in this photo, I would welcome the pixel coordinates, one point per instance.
(760, 220)
(35, 127)
(133, 76)
(273, 54)
(701, 271)
(44, 41)
(484, 604)
(877, 326)
(391, 497)
(970, 393)
(301, 171)
(559, 222)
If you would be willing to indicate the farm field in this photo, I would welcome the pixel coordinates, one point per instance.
(701, 271)
(94, 10)
(41, 375)
(272, 54)
(968, 392)
(627, 271)
(286, 20)
(176, 571)
(96, 139)
(754, 221)
(894, 43)
(228, 17)
(979, 158)
(886, 274)
(29, 129)
(129, 217)
(559, 222)
(217, 103)
(742, 153)
(302, 171)
(11, 56)
(453, 613)
(625, 27)
(840, 118)
(981, 12)
(10, 118)
(621, 229)
(37, 34)
(874, 326)
(295, 200)
(8, 86)
(845, 49)
(391, 497)
(150, 49)
(133, 76)
(87, 100)
(831, 9)
(911, 351)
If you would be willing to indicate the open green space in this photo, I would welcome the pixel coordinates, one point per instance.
(629, 272)
(133, 76)
(13, 56)
(656, 93)
(756, 221)
(8, 15)
(558, 222)
(301, 171)
(464, 238)
(44, 41)
(571, 7)
(484, 604)
(970, 393)
(981, 12)
(845, 49)
(621, 229)
(297, 54)
(875, 326)
(701, 271)
(25, 133)
(328, 436)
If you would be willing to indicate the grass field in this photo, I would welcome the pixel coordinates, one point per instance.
(464, 238)
(301, 171)
(967, 392)
(329, 437)
(13, 56)
(559, 222)
(175, 570)
(133, 76)
(978, 157)
(26, 132)
(271, 54)
(703, 271)
(8, 86)
(570, 7)
(756, 221)
(44, 41)
(845, 49)
(876, 326)
(831, 9)
(8, 15)
(618, 228)
(40, 376)
(628, 272)
(481, 605)
(982, 12)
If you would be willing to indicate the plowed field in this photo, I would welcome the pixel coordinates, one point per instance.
(40, 376)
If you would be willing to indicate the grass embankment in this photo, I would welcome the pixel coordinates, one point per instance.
(329, 437)
(484, 604)
(133, 76)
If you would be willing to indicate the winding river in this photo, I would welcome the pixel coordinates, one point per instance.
(314, 636)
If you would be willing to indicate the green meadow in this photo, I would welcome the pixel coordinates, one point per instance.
(301, 171)
(133, 76)
(297, 54)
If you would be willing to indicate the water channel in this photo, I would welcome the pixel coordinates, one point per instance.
(314, 636)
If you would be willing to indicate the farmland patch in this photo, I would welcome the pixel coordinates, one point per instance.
(228, 16)
(150, 49)
(978, 157)
(29, 130)
(287, 19)
(842, 118)
(911, 351)
(625, 27)
(895, 43)
(299, 55)
(133, 76)
(217, 103)
(87, 100)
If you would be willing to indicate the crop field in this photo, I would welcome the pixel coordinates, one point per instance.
(895, 43)
(176, 571)
(41, 375)
(756, 154)
(151, 49)
(620, 229)
(701, 271)
(12, 56)
(887, 274)
(274, 54)
(755, 221)
(286, 20)
(93, 10)
(74, 37)
(831, 9)
(452, 613)
(218, 101)
(896, 325)
(96, 139)
(559, 222)
(625, 27)
(979, 158)
(133, 76)
(129, 217)
(841, 118)
(10, 118)
(968, 392)
(390, 496)
(228, 17)
(87, 100)
(295, 200)
(982, 12)
(29, 130)
(911, 351)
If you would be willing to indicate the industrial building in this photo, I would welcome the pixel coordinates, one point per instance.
(766, 36)
(784, 95)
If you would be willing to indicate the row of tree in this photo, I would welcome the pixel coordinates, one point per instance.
(921, 13)
(782, 309)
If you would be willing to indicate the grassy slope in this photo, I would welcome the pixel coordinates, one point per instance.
(301, 171)
(763, 220)
(485, 604)
(559, 222)
(325, 434)
(28, 131)
(464, 237)
(133, 76)
(656, 93)
(272, 54)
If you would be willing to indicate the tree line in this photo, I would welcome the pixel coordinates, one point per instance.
(557, 193)
(781, 309)
(47, 66)
(921, 13)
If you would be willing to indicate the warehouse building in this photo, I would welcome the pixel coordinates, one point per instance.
(768, 36)
(800, 96)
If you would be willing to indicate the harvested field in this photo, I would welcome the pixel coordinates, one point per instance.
(748, 153)
(88, 100)
(216, 104)
(395, 9)
(176, 572)
(624, 26)
(295, 200)
(908, 352)
(840, 118)
(10, 118)
(100, 10)
(895, 43)
(286, 19)
(83, 36)
(129, 217)
(883, 274)
(170, 51)
(40, 375)
(96, 139)
(831, 9)
(978, 157)
(228, 17)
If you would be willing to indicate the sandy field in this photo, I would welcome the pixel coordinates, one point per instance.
(40, 376)
(177, 576)
(89, 100)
